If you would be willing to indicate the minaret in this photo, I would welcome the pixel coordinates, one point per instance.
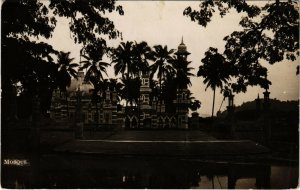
(182, 52)
(182, 101)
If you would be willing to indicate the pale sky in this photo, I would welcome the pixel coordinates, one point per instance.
(162, 22)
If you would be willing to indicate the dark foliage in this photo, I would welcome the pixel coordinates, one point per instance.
(194, 105)
(215, 70)
(29, 63)
(207, 9)
(270, 33)
(87, 23)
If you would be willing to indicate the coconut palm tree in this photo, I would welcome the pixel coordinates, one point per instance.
(94, 68)
(161, 66)
(123, 59)
(215, 71)
(182, 72)
(94, 74)
(131, 90)
(141, 54)
(66, 70)
(179, 79)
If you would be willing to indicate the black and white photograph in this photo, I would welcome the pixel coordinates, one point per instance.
(150, 94)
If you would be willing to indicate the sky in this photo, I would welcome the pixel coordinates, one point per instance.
(162, 22)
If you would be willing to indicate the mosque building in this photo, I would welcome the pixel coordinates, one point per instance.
(151, 113)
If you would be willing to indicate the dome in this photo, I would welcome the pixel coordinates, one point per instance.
(182, 49)
(80, 84)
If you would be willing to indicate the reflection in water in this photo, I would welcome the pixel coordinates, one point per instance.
(245, 183)
(79, 171)
(282, 175)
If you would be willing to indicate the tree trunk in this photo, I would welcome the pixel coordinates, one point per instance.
(67, 103)
(97, 113)
(222, 103)
(127, 89)
(160, 98)
(139, 103)
(177, 108)
(213, 106)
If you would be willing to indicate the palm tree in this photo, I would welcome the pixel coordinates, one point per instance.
(66, 70)
(215, 71)
(95, 69)
(182, 72)
(226, 92)
(123, 59)
(162, 66)
(169, 92)
(181, 77)
(131, 90)
(162, 57)
(141, 54)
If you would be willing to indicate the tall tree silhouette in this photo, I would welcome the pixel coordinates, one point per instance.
(182, 72)
(66, 70)
(142, 53)
(178, 80)
(215, 71)
(162, 66)
(94, 68)
(123, 60)
(269, 33)
(26, 61)
(131, 90)
(94, 74)
(88, 25)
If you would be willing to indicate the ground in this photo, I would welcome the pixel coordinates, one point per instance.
(64, 161)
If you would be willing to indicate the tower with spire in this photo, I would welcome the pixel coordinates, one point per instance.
(151, 113)
(182, 52)
(182, 100)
